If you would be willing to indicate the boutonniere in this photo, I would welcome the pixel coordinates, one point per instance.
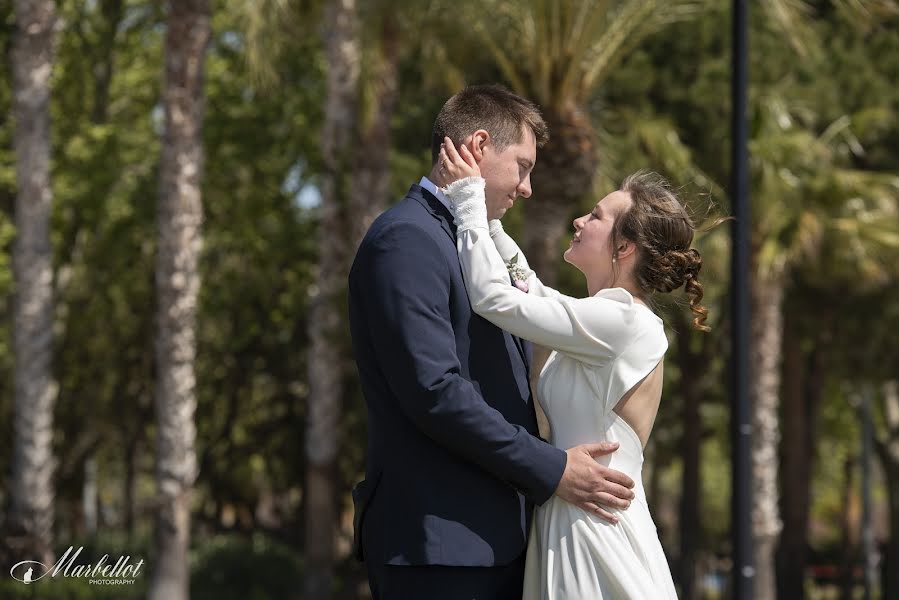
(517, 274)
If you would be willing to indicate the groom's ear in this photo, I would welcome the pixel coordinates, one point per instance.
(476, 143)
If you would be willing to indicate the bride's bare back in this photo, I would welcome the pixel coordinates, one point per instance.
(640, 404)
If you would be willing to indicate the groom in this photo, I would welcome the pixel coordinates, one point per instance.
(454, 465)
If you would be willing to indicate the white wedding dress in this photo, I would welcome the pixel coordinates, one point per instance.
(602, 347)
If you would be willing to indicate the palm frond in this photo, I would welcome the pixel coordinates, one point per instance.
(869, 12)
(505, 62)
(872, 184)
(804, 194)
(791, 18)
(663, 145)
(586, 31)
(445, 73)
(628, 27)
(626, 24)
(810, 229)
(569, 46)
(264, 37)
(583, 25)
(771, 259)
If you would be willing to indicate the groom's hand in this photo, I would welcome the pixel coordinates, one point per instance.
(590, 485)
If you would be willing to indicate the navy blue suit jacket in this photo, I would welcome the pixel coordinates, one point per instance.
(453, 462)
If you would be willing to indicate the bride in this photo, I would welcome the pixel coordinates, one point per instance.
(603, 380)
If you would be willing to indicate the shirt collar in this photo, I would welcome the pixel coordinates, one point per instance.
(432, 187)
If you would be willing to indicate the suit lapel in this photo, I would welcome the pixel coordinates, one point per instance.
(439, 211)
(519, 343)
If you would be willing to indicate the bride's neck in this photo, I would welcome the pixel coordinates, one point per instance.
(596, 284)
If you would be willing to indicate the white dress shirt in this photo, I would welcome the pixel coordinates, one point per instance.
(432, 187)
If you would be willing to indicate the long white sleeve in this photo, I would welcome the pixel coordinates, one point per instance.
(508, 249)
(594, 330)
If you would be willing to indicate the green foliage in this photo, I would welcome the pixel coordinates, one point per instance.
(71, 588)
(256, 268)
(825, 138)
(837, 475)
(232, 568)
(7, 232)
(222, 568)
(80, 588)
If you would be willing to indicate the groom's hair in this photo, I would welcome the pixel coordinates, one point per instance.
(492, 108)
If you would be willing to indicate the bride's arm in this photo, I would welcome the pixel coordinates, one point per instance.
(505, 245)
(593, 330)
(508, 250)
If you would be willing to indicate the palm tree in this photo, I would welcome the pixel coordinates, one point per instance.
(855, 256)
(803, 383)
(370, 94)
(801, 189)
(886, 445)
(869, 358)
(801, 194)
(558, 53)
(179, 223)
(865, 310)
(324, 360)
(378, 93)
(363, 85)
(658, 143)
(863, 280)
(30, 521)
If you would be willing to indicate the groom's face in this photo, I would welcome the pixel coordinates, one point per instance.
(508, 173)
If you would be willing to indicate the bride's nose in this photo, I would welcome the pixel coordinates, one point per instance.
(578, 223)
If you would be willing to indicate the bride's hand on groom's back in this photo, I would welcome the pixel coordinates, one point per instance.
(455, 165)
(592, 486)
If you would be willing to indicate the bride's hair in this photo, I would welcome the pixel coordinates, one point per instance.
(662, 229)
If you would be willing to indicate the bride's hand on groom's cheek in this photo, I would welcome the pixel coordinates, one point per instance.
(456, 164)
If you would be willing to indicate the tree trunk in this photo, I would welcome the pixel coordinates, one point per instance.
(849, 509)
(113, 11)
(888, 450)
(791, 551)
(689, 363)
(802, 390)
(89, 499)
(31, 494)
(563, 176)
(325, 360)
(130, 459)
(179, 226)
(767, 297)
(372, 164)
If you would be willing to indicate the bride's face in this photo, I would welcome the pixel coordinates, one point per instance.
(591, 246)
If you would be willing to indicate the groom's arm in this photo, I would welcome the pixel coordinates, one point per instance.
(404, 286)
